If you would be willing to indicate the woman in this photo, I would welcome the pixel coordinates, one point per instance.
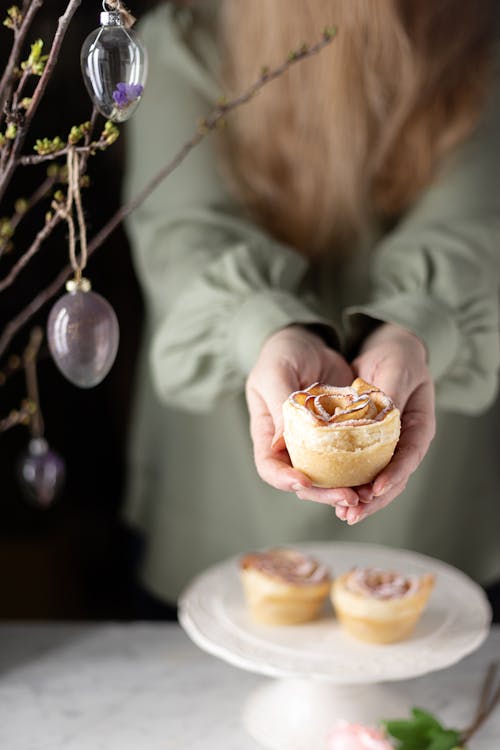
(346, 222)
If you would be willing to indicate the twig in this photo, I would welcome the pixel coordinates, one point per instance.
(34, 247)
(13, 364)
(207, 125)
(20, 88)
(29, 359)
(488, 701)
(39, 194)
(19, 37)
(62, 27)
(30, 160)
(17, 417)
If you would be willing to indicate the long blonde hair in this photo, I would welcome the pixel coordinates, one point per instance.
(357, 131)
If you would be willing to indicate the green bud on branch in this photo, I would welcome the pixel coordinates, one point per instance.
(36, 61)
(110, 132)
(203, 126)
(6, 228)
(44, 146)
(11, 131)
(21, 205)
(329, 32)
(53, 170)
(14, 18)
(75, 135)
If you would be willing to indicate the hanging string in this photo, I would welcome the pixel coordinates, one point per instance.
(127, 17)
(29, 361)
(74, 197)
(74, 183)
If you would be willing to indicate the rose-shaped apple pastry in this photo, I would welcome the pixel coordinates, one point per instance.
(340, 437)
(380, 606)
(283, 586)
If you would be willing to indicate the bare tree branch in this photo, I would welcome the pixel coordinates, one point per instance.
(210, 123)
(29, 12)
(32, 250)
(18, 142)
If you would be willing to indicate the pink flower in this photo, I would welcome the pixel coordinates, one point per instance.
(345, 736)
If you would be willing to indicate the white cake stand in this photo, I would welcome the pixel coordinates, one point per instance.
(322, 674)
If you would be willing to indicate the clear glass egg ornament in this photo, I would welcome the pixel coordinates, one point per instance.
(114, 65)
(83, 335)
(41, 473)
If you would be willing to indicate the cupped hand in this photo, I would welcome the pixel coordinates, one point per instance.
(395, 361)
(291, 359)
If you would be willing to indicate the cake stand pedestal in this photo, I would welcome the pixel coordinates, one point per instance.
(321, 674)
(298, 714)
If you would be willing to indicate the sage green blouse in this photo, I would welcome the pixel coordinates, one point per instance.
(216, 286)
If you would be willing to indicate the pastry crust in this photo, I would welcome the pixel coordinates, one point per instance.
(283, 586)
(380, 606)
(340, 437)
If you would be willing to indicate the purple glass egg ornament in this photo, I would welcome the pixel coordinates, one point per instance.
(41, 473)
(83, 335)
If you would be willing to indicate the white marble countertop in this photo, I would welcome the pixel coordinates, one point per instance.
(148, 687)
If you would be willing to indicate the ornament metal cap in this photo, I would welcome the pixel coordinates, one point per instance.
(78, 285)
(38, 446)
(111, 18)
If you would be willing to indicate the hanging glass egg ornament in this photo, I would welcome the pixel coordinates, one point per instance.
(41, 473)
(83, 334)
(114, 66)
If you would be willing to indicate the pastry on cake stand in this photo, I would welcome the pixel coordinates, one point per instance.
(320, 673)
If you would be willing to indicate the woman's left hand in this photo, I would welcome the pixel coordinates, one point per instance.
(394, 360)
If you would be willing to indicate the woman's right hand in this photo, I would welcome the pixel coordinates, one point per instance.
(291, 359)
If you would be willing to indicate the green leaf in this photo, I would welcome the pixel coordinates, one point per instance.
(426, 718)
(405, 730)
(412, 744)
(422, 731)
(446, 739)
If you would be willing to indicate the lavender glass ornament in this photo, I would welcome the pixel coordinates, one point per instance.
(83, 335)
(41, 473)
(114, 66)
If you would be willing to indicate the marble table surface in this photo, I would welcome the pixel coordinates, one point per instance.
(144, 686)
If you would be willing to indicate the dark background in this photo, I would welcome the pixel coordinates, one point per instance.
(71, 561)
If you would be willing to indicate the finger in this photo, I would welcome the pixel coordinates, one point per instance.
(276, 471)
(279, 385)
(273, 467)
(278, 442)
(393, 359)
(343, 496)
(365, 493)
(417, 431)
(397, 382)
(341, 512)
(359, 513)
(336, 371)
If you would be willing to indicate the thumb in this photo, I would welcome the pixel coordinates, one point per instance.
(277, 391)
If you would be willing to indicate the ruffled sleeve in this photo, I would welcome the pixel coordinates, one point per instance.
(437, 273)
(215, 286)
